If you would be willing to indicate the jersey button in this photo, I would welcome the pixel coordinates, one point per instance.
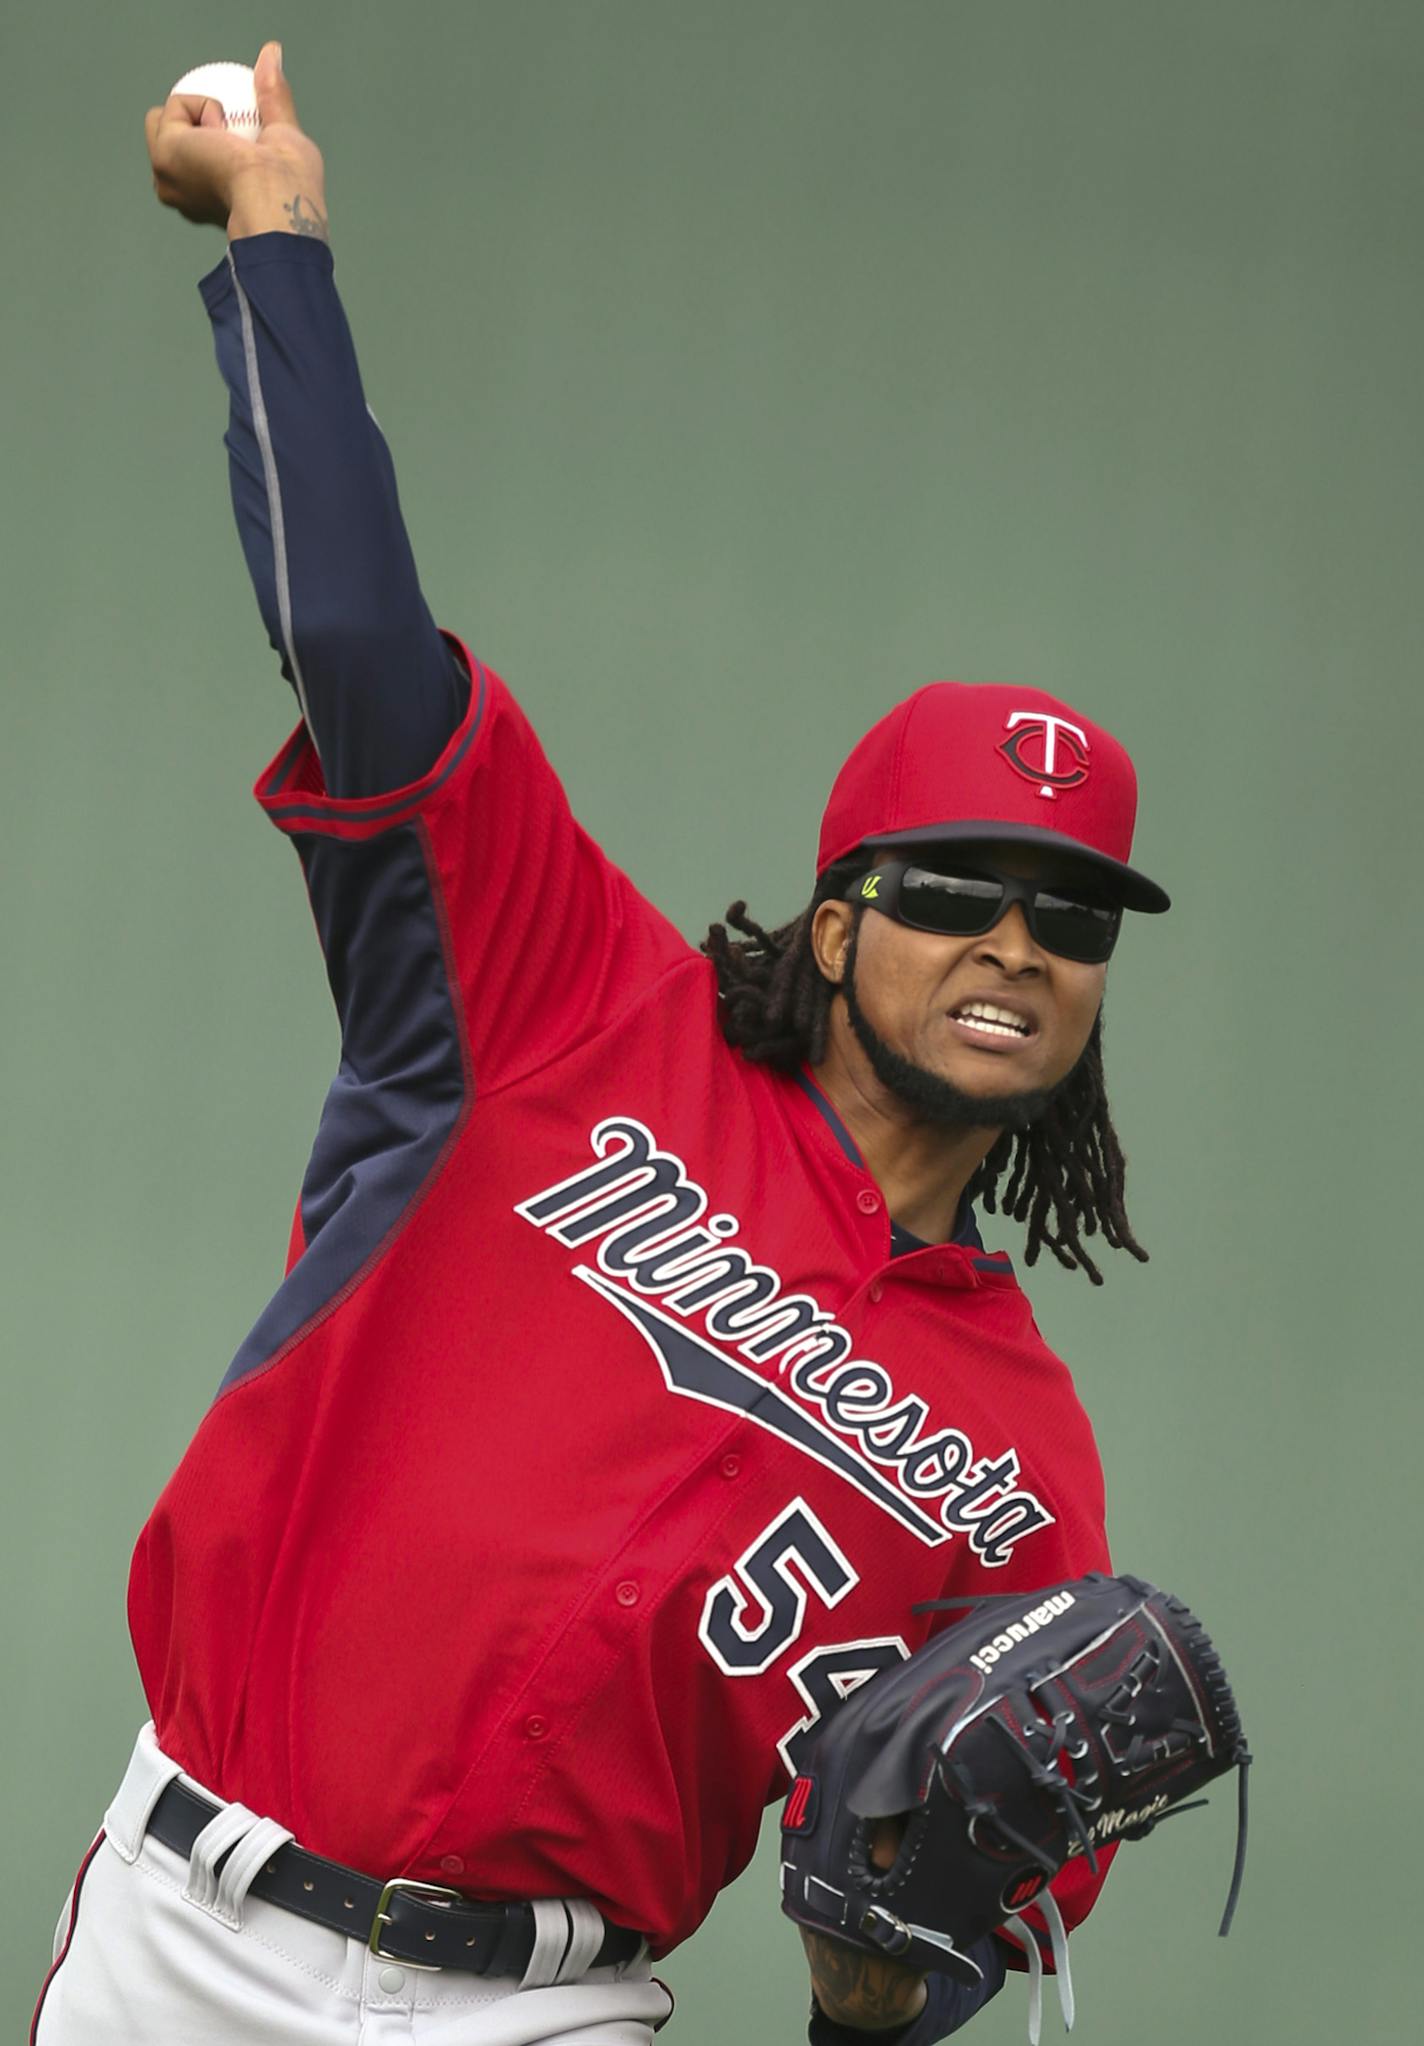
(536, 1726)
(627, 1593)
(451, 1864)
(868, 1201)
(877, 1291)
(731, 1466)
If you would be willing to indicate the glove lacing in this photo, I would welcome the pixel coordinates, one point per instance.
(1072, 1801)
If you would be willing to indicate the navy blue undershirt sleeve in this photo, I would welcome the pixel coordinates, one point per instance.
(949, 2005)
(314, 492)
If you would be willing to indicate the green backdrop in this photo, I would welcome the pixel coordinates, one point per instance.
(747, 365)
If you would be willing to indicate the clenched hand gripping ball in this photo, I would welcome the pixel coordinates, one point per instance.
(233, 86)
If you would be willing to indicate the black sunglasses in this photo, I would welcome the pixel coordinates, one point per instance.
(965, 904)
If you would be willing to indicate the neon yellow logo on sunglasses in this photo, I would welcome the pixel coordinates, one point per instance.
(870, 887)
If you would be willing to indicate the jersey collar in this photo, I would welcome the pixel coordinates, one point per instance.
(902, 1244)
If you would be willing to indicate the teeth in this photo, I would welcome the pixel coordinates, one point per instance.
(991, 1019)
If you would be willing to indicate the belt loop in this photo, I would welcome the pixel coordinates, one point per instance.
(551, 1936)
(242, 1865)
(231, 1823)
(587, 1938)
(148, 1775)
(634, 1960)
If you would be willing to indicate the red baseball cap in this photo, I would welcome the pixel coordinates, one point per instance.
(988, 760)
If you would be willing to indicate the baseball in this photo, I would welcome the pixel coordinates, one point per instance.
(234, 87)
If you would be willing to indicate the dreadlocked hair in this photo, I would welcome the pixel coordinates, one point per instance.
(775, 1002)
(1065, 1173)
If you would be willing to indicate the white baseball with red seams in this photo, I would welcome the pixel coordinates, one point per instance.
(234, 87)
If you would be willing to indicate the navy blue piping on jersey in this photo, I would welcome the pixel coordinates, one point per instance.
(403, 1084)
(832, 1121)
(902, 1243)
(374, 813)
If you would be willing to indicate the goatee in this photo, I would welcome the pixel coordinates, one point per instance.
(930, 1095)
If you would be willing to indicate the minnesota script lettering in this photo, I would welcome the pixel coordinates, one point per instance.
(777, 1357)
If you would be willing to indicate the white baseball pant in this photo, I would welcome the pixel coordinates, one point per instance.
(156, 1949)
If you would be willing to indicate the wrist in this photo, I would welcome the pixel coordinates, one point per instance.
(853, 1986)
(277, 206)
(844, 2027)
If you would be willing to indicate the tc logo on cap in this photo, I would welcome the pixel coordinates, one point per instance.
(1046, 749)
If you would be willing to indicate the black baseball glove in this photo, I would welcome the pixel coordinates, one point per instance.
(1039, 1727)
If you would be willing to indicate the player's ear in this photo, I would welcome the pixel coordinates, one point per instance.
(831, 929)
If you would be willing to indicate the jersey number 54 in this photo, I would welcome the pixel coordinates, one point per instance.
(753, 1614)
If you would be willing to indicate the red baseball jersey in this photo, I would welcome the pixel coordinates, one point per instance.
(594, 1444)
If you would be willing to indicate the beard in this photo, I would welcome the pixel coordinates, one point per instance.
(932, 1097)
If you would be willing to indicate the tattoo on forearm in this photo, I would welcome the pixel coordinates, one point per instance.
(308, 222)
(855, 1988)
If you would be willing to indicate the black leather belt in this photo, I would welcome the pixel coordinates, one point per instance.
(422, 1925)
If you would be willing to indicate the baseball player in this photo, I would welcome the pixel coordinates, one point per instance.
(639, 1369)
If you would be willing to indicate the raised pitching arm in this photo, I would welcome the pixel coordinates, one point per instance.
(313, 485)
